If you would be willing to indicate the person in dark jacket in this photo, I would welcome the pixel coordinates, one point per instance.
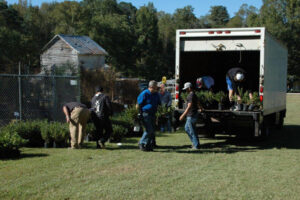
(101, 111)
(236, 78)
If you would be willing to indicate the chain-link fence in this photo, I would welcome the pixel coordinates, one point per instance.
(36, 96)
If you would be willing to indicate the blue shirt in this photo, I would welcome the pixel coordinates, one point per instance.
(166, 98)
(208, 81)
(148, 101)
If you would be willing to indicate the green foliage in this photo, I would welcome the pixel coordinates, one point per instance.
(220, 97)
(28, 130)
(163, 112)
(118, 133)
(10, 142)
(55, 132)
(255, 99)
(209, 96)
(184, 96)
(218, 16)
(201, 97)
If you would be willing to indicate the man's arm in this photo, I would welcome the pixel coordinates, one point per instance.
(109, 106)
(67, 114)
(189, 106)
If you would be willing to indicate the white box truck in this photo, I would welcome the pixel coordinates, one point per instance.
(202, 52)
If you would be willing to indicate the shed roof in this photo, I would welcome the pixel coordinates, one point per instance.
(82, 44)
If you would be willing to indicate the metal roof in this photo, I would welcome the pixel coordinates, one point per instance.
(82, 44)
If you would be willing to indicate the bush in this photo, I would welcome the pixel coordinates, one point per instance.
(220, 97)
(28, 130)
(55, 132)
(118, 133)
(10, 142)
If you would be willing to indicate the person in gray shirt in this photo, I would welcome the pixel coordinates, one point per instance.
(166, 100)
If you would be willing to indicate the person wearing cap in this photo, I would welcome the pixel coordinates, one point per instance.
(101, 111)
(77, 115)
(166, 100)
(205, 82)
(235, 78)
(147, 103)
(191, 114)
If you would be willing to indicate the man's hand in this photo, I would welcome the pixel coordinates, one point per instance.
(181, 117)
(68, 119)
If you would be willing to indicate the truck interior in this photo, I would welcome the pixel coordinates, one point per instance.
(216, 64)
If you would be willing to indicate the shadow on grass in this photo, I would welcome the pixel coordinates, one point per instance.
(25, 155)
(288, 137)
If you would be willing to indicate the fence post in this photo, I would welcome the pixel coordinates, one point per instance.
(20, 91)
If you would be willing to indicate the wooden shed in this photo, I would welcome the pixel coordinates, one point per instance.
(72, 51)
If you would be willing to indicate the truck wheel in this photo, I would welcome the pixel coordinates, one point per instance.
(264, 132)
(280, 123)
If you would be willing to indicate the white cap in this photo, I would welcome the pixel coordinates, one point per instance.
(187, 85)
(239, 76)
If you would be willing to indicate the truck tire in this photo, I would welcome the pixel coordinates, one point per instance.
(264, 132)
(279, 126)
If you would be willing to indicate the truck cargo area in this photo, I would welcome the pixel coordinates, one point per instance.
(216, 64)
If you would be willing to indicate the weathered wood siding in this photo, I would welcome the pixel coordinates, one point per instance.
(59, 54)
(91, 61)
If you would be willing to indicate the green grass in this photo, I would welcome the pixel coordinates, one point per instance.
(224, 168)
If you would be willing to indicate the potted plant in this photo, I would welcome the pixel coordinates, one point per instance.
(255, 102)
(239, 101)
(220, 98)
(201, 99)
(245, 100)
(184, 96)
(209, 99)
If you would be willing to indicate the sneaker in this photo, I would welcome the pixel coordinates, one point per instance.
(102, 145)
(142, 147)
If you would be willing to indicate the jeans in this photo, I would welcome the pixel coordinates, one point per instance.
(190, 128)
(166, 126)
(148, 138)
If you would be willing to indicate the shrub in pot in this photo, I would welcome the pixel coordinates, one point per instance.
(28, 130)
(201, 99)
(209, 99)
(184, 96)
(245, 100)
(10, 142)
(118, 133)
(59, 133)
(220, 97)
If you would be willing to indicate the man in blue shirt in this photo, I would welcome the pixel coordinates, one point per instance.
(166, 100)
(147, 103)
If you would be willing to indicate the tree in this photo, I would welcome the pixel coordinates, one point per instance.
(184, 18)
(146, 29)
(218, 16)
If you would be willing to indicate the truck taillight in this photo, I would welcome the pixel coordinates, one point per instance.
(182, 33)
(261, 98)
(261, 89)
(227, 32)
(177, 96)
(219, 32)
(177, 88)
(257, 31)
(211, 32)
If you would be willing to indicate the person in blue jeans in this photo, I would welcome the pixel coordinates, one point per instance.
(166, 100)
(191, 114)
(147, 103)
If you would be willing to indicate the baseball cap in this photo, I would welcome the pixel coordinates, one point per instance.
(239, 76)
(187, 85)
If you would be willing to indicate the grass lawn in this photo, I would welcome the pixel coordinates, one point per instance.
(224, 168)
